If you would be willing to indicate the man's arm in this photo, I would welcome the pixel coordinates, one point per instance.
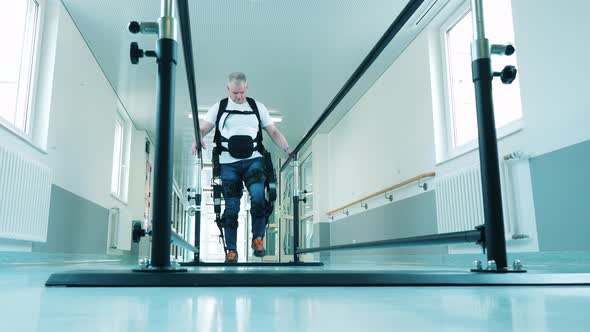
(278, 138)
(205, 128)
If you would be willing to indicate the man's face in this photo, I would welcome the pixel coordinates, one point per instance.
(237, 91)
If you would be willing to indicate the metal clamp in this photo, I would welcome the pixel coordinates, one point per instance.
(492, 267)
(189, 197)
(507, 75)
(144, 27)
(423, 186)
(365, 205)
(135, 53)
(517, 265)
(390, 197)
(507, 50)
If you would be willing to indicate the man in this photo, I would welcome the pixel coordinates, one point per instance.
(237, 121)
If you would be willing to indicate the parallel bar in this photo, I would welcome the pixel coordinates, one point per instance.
(488, 146)
(295, 208)
(437, 239)
(391, 32)
(178, 241)
(198, 197)
(187, 47)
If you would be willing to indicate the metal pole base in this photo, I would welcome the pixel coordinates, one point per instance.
(492, 268)
(145, 265)
(160, 269)
(497, 271)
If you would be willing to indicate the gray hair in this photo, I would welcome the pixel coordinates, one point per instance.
(236, 77)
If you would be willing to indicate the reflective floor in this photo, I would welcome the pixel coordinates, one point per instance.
(26, 305)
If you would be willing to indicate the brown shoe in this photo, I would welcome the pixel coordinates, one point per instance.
(258, 247)
(231, 257)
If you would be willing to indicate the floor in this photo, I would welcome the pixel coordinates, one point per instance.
(26, 305)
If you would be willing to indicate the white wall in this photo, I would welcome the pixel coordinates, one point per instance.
(552, 46)
(81, 121)
(552, 74)
(321, 177)
(388, 136)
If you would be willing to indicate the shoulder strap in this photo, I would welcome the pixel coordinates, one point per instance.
(222, 109)
(254, 108)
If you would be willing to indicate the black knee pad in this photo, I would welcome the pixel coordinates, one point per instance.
(232, 188)
(254, 176)
(258, 211)
(230, 220)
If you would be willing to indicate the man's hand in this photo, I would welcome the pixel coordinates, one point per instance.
(205, 129)
(195, 146)
(278, 138)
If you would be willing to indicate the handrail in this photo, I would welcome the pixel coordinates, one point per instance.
(391, 32)
(179, 193)
(179, 241)
(187, 47)
(476, 236)
(396, 186)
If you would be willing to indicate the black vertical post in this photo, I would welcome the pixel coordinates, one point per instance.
(166, 54)
(295, 208)
(197, 256)
(198, 197)
(488, 146)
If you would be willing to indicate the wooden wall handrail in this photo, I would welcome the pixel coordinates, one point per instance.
(396, 186)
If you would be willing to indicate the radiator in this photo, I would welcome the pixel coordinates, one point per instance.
(459, 202)
(119, 229)
(25, 190)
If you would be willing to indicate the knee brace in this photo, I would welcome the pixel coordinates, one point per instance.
(258, 211)
(230, 221)
(232, 188)
(271, 177)
(254, 176)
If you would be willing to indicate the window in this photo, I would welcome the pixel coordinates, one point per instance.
(461, 118)
(120, 158)
(19, 27)
(307, 187)
(306, 206)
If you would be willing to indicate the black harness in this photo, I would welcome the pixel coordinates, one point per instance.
(238, 146)
(241, 147)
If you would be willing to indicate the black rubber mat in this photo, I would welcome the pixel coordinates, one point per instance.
(279, 278)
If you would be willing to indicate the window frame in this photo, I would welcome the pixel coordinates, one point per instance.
(33, 75)
(307, 158)
(125, 158)
(450, 151)
(121, 142)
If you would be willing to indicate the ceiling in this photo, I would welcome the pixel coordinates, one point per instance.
(297, 55)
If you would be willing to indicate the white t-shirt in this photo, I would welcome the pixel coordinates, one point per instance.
(237, 124)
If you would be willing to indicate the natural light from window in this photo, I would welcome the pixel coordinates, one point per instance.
(507, 103)
(117, 157)
(18, 25)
